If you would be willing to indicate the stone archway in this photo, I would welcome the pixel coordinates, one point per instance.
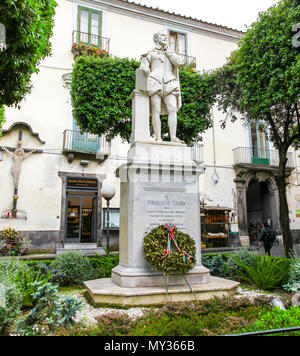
(257, 200)
(262, 205)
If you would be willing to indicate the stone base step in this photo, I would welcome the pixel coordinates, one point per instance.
(85, 249)
(104, 291)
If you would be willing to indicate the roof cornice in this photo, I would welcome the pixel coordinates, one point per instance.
(129, 7)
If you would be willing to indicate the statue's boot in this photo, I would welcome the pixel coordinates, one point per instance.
(176, 139)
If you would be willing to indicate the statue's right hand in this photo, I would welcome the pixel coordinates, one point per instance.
(146, 72)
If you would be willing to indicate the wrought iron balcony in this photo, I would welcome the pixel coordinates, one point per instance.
(188, 61)
(259, 157)
(90, 44)
(86, 143)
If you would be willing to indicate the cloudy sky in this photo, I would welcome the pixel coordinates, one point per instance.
(231, 13)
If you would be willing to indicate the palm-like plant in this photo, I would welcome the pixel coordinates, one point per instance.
(266, 273)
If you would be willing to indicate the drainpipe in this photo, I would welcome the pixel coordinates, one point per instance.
(215, 177)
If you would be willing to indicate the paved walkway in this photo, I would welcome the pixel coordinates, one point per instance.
(278, 251)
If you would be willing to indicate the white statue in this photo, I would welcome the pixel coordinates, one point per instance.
(160, 66)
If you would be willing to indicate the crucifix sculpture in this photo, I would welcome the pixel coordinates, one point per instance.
(18, 157)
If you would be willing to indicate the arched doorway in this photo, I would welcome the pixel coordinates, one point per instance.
(262, 205)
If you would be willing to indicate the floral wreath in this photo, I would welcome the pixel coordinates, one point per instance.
(168, 250)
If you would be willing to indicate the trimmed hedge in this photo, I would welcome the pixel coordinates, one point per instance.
(101, 89)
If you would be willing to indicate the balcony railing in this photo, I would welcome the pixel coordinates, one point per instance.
(188, 61)
(87, 143)
(83, 42)
(261, 157)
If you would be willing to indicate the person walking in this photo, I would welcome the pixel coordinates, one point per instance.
(267, 237)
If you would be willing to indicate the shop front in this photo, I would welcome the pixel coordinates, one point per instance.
(215, 227)
(81, 209)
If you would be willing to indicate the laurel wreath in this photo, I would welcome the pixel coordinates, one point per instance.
(168, 250)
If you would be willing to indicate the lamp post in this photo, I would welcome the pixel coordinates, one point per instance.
(108, 192)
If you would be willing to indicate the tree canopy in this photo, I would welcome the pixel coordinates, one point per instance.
(101, 101)
(261, 79)
(28, 25)
(261, 82)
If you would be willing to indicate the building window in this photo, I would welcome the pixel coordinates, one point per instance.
(259, 141)
(114, 218)
(89, 26)
(178, 42)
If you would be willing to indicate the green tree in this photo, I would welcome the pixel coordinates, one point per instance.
(261, 82)
(101, 101)
(28, 25)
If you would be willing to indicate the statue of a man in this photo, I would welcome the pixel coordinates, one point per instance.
(18, 157)
(160, 66)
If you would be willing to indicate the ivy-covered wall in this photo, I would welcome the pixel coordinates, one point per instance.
(101, 101)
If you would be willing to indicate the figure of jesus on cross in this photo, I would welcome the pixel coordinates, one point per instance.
(18, 157)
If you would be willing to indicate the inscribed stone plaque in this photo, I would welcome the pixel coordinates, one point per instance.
(166, 207)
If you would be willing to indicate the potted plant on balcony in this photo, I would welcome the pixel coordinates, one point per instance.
(79, 49)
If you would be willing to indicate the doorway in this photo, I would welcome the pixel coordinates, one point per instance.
(81, 217)
(261, 206)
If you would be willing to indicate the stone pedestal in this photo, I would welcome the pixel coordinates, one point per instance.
(105, 292)
(159, 185)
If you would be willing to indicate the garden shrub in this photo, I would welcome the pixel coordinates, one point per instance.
(217, 316)
(34, 263)
(102, 265)
(216, 264)
(21, 276)
(243, 255)
(9, 267)
(51, 310)
(276, 319)
(117, 324)
(11, 298)
(267, 272)
(26, 280)
(293, 283)
(78, 330)
(72, 269)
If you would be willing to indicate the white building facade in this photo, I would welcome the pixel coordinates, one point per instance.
(59, 196)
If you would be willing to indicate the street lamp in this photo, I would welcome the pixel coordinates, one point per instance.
(108, 192)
